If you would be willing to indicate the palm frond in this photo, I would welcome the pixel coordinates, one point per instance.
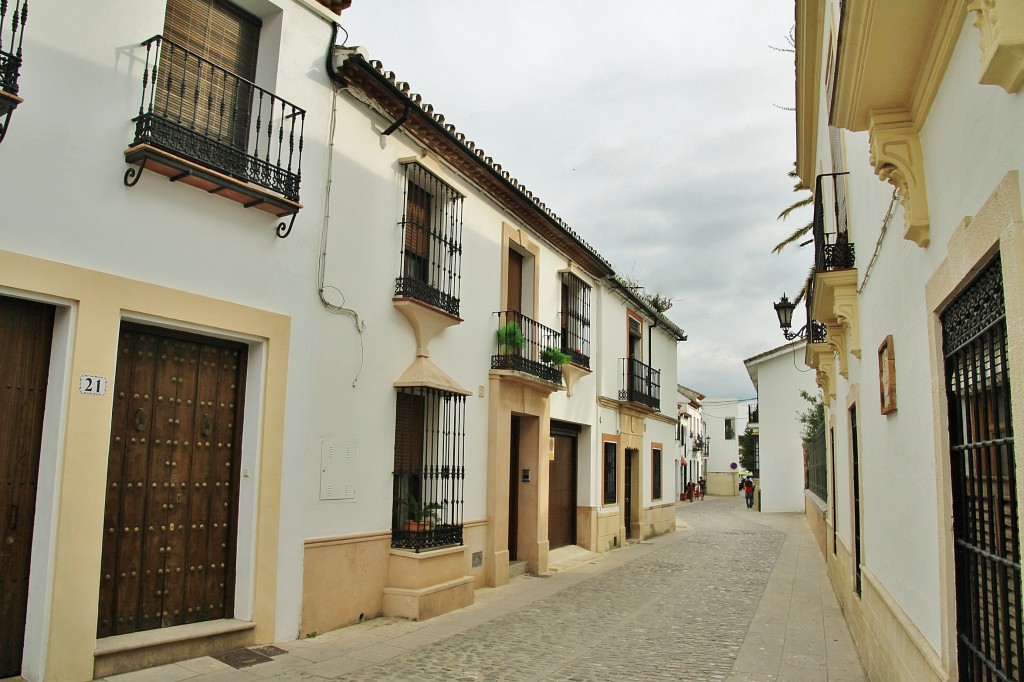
(795, 236)
(806, 201)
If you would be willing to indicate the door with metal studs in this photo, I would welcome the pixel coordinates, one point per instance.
(172, 482)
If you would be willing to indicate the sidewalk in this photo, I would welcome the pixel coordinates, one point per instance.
(601, 617)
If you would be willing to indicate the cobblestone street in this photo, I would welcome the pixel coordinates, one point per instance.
(732, 595)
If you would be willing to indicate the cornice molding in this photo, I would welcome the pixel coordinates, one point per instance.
(1001, 27)
(897, 158)
(809, 34)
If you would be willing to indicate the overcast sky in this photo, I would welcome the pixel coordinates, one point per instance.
(657, 129)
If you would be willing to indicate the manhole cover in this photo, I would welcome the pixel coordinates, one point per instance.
(242, 658)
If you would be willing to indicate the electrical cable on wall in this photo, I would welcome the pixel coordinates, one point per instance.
(337, 308)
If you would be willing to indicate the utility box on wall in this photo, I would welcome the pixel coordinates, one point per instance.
(337, 477)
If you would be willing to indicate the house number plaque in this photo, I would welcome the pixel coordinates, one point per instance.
(92, 385)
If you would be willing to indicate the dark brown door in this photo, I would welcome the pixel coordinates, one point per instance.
(628, 504)
(172, 482)
(26, 330)
(515, 281)
(513, 490)
(562, 493)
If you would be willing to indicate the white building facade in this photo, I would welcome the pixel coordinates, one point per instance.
(293, 352)
(778, 376)
(908, 133)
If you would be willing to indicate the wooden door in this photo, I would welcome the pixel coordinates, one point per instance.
(172, 482)
(26, 330)
(562, 493)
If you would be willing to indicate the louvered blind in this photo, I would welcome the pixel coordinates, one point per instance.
(515, 281)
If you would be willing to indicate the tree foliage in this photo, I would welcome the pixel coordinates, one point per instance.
(748, 452)
(813, 418)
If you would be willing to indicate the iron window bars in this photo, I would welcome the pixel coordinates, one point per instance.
(523, 346)
(576, 319)
(193, 108)
(640, 383)
(12, 32)
(430, 470)
(816, 466)
(431, 240)
(983, 471)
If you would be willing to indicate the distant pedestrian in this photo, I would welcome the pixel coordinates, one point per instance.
(748, 489)
(743, 481)
(689, 491)
(703, 484)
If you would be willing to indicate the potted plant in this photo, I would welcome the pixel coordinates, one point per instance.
(510, 338)
(555, 356)
(417, 516)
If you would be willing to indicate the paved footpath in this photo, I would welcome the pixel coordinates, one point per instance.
(732, 595)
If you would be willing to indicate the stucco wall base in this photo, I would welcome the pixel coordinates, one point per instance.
(890, 646)
(609, 531)
(427, 602)
(125, 653)
(586, 528)
(426, 584)
(658, 520)
(343, 581)
(817, 520)
(723, 483)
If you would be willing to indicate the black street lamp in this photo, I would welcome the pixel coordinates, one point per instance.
(784, 310)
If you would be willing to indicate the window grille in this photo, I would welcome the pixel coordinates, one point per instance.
(817, 467)
(427, 494)
(656, 474)
(576, 319)
(431, 240)
(983, 476)
(611, 482)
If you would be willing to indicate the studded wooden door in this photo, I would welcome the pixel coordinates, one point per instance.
(26, 329)
(172, 482)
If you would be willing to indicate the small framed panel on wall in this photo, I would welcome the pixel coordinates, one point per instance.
(887, 375)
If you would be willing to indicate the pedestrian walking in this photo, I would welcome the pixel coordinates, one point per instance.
(703, 484)
(748, 489)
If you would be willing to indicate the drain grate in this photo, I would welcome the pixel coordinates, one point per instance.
(242, 658)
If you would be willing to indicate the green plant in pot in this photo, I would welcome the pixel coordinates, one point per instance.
(510, 338)
(418, 516)
(555, 356)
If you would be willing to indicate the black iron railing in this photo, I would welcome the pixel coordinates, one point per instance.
(431, 241)
(816, 471)
(526, 346)
(12, 30)
(640, 383)
(832, 247)
(576, 319)
(752, 414)
(197, 110)
(430, 470)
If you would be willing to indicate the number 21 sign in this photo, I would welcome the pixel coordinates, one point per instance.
(92, 385)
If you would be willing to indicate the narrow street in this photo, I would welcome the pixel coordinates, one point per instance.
(732, 595)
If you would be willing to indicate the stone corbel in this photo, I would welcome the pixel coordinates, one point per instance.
(1001, 27)
(836, 339)
(845, 308)
(822, 358)
(897, 158)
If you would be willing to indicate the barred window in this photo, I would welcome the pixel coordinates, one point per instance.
(429, 468)
(431, 240)
(656, 473)
(576, 319)
(610, 474)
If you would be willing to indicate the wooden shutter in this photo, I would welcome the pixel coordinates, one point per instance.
(417, 228)
(211, 102)
(515, 281)
(409, 433)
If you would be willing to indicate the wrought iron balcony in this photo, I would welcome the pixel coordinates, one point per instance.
(832, 247)
(426, 510)
(752, 414)
(523, 346)
(640, 383)
(204, 125)
(12, 31)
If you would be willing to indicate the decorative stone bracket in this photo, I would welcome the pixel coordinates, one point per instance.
(1001, 25)
(898, 159)
(821, 358)
(835, 306)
